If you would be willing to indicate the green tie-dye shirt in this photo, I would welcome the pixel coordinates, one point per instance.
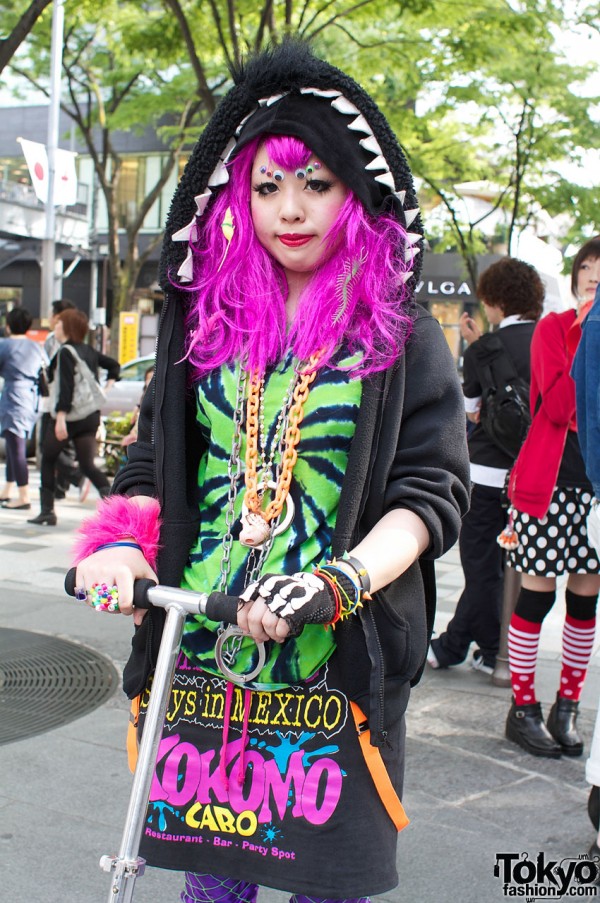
(327, 429)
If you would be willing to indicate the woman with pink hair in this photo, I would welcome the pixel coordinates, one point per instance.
(301, 447)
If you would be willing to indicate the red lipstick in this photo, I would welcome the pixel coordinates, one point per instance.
(293, 239)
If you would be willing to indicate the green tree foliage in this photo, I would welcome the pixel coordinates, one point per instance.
(477, 92)
(493, 100)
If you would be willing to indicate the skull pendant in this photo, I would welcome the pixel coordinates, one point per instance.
(255, 530)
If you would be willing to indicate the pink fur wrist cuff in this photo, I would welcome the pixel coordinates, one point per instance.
(116, 517)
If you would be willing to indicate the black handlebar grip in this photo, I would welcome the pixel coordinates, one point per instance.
(220, 607)
(70, 582)
(140, 592)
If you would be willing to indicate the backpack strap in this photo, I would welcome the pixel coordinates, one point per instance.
(494, 364)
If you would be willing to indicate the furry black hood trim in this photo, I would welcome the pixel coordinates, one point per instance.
(287, 90)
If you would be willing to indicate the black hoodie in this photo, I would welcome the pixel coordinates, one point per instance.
(409, 449)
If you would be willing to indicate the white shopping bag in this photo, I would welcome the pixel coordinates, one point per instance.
(593, 525)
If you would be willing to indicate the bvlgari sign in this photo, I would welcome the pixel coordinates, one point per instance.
(447, 287)
(444, 278)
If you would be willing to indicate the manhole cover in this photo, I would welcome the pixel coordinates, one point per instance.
(46, 682)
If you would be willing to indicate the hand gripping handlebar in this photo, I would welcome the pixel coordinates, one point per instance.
(146, 593)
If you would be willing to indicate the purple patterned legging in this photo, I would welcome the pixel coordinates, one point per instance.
(212, 889)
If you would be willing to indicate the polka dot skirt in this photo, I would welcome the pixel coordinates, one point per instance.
(557, 544)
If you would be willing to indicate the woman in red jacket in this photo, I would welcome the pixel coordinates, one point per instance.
(550, 496)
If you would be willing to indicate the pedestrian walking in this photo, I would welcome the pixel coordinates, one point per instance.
(21, 360)
(550, 505)
(586, 373)
(67, 472)
(70, 421)
(512, 295)
(302, 447)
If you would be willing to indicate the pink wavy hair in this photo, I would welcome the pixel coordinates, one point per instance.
(238, 311)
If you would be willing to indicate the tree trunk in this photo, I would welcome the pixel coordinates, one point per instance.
(10, 45)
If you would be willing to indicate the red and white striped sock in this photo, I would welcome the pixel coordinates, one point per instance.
(577, 645)
(523, 642)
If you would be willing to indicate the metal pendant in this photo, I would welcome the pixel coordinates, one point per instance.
(255, 530)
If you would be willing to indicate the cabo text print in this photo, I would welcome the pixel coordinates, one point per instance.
(241, 790)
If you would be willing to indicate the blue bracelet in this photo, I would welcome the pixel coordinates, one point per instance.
(113, 545)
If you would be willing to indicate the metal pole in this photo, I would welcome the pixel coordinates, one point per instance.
(48, 244)
(128, 866)
(512, 585)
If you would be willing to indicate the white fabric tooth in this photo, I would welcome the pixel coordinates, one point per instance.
(410, 254)
(320, 92)
(378, 163)
(202, 200)
(188, 232)
(343, 105)
(186, 270)
(360, 124)
(386, 178)
(244, 121)
(406, 276)
(413, 237)
(269, 101)
(401, 195)
(411, 215)
(220, 175)
(229, 149)
(371, 144)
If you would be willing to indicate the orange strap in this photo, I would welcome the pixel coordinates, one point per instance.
(381, 778)
(132, 737)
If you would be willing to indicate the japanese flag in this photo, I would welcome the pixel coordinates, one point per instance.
(65, 177)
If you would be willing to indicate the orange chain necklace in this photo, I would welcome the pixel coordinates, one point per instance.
(256, 523)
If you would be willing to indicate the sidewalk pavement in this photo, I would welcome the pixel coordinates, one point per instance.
(469, 793)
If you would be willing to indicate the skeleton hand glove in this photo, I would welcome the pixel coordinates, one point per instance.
(300, 599)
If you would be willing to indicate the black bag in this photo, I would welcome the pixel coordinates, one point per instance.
(42, 383)
(505, 416)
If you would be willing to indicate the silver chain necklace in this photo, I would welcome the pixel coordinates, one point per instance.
(230, 637)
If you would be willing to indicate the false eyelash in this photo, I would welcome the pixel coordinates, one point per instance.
(258, 188)
(327, 183)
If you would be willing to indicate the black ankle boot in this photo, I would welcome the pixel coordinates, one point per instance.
(46, 517)
(525, 726)
(562, 724)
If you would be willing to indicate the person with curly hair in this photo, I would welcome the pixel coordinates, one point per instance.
(512, 295)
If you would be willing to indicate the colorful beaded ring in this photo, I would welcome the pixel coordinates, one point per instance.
(103, 597)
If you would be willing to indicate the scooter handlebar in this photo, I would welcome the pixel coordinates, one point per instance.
(216, 606)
